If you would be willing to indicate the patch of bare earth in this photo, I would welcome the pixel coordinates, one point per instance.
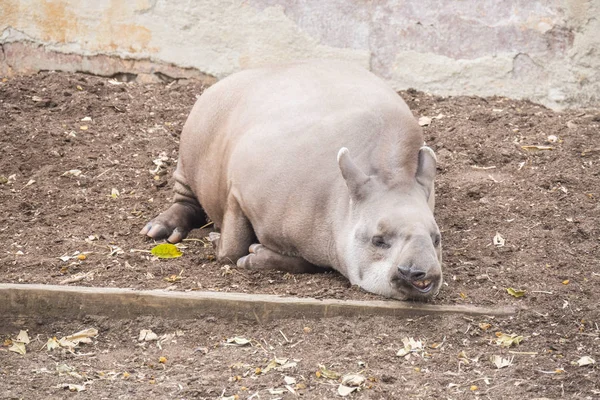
(542, 202)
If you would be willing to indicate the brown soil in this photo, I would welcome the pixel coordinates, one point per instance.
(543, 203)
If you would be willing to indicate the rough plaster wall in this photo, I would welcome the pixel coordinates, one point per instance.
(544, 50)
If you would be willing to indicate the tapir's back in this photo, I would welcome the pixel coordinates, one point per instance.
(271, 135)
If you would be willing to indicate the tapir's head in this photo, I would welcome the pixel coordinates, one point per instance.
(394, 246)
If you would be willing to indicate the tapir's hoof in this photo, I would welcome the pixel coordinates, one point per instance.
(173, 224)
(252, 260)
(158, 231)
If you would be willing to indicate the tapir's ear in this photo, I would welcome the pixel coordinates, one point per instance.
(354, 177)
(426, 169)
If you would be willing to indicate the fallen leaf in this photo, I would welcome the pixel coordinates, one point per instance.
(505, 340)
(84, 336)
(289, 380)
(72, 387)
(536, 148)
(410, 345)
(498, 240)
(585, 360)
(484, 326)
(173, 278)
(22, 337)
(327, 373)
(516, 292)
(424, 121)
(166, 250)
(500, 362)
(66, 343)
(345, 390)
(463, 357)
(353, 380)
(18, 347)
(237, 341)
(147, 335)
(72, 172)
(52, 344)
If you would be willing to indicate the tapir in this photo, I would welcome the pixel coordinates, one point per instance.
(310, 165)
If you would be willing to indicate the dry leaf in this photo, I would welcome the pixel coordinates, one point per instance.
(536, 148)
(353, 380)
(237, 341)
(500, 362)
(72, 387)
(410, 345)
(505, 340)
(484, 326)
(22, 337)
(52, 344)
(498, 240)
(72, 172)
(84, 336)
(18, 347)
(327, 373)
(516, 292)
(424, 121)
(147, 335)
(345, 390)
(289, 380)
(585, 360)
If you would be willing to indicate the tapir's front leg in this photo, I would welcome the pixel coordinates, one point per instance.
(184, 214)
(262, 258)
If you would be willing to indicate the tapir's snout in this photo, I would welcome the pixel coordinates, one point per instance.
(417, 282)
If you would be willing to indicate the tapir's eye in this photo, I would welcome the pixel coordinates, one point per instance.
(379, 241)
(436, 239)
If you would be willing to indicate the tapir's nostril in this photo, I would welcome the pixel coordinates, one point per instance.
(411, 274)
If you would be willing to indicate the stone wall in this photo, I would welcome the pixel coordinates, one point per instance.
(544, 50)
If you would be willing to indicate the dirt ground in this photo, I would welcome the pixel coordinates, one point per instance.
(542, 202)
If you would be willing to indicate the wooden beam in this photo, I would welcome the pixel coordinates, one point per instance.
(43, 302)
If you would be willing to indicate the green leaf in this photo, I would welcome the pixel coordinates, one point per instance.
(516, 292)
(166, 250)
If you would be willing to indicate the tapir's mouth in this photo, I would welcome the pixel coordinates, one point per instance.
(423, 286)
